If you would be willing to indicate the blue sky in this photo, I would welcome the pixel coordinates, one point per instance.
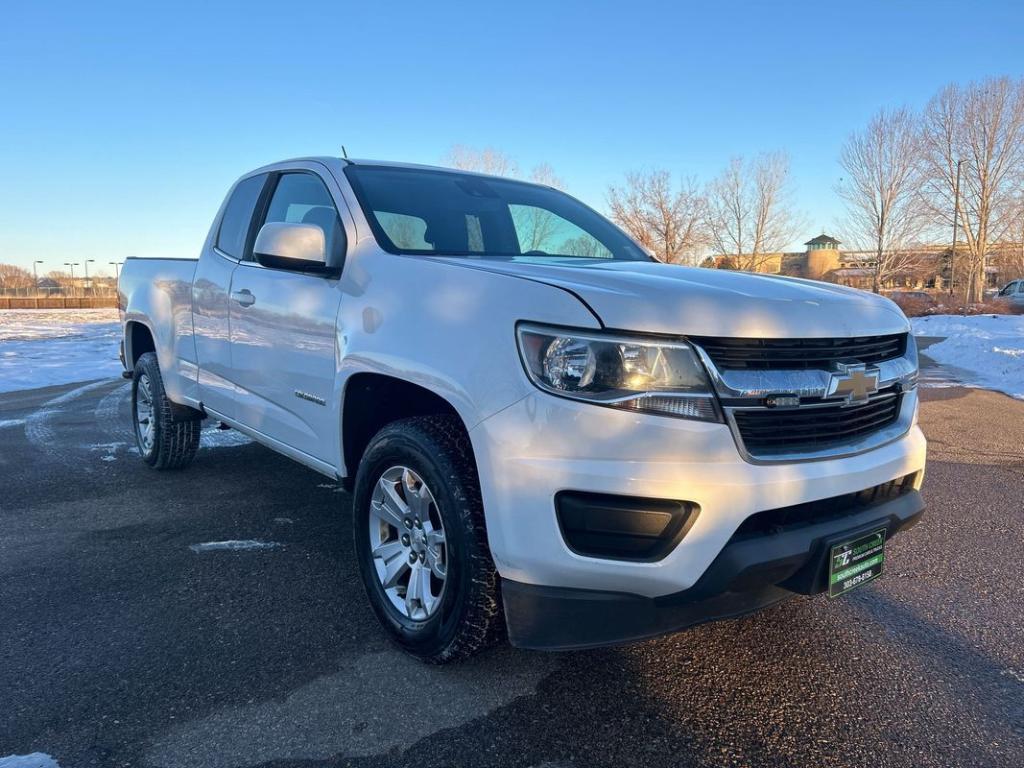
(122, 125)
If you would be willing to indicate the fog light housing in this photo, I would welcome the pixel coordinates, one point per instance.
(617, 527)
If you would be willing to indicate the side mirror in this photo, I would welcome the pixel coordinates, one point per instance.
(285, 245)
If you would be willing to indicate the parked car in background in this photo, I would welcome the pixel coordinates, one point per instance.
(546, 431)
(1013, 292)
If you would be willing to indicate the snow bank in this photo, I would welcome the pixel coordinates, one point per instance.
(987, 350)
(43, 347)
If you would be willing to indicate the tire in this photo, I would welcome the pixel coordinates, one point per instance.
(168, 444)
(431, 452)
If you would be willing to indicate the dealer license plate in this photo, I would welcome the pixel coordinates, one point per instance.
(856, 562)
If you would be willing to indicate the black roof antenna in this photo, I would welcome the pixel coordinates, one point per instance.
(343, 152)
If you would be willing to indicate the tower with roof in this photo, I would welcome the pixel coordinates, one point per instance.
(822, 256)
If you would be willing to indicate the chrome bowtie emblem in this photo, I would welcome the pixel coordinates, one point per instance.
(852, 381)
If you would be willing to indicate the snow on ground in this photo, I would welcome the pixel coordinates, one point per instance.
(233, 545)
(43, 347)
(35, 760)
(986, 350)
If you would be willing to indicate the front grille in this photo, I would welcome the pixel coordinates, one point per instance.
(783, 519)
(799, 354)
(783, 430)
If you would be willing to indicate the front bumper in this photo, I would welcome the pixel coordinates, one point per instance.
(747, 575)
(541, 445)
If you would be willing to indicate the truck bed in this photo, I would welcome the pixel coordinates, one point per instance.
(157, 294)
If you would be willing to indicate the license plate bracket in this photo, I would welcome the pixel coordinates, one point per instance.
(855, 562)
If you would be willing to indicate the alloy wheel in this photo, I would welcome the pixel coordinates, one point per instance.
(407, 543)
(144, 412)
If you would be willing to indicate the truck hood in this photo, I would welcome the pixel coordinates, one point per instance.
(671, 299)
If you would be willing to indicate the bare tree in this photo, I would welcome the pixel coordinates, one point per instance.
(749, 214)
(404, 231)
(497, 163)
(585, 245)
(545, 174)
(14, 279)
(486, 160)
(975, 133)
(666, 219)
(537, 226)
(882, 192)
(63, 279)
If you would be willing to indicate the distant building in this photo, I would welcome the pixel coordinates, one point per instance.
(50, 287)
(824, 260)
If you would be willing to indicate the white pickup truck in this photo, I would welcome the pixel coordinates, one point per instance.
(548, 434)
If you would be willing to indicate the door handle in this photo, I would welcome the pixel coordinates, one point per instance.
(244, 297)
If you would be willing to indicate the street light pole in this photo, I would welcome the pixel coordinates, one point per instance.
(86, 286)
(117, 274)
(69, 264)
(35, 274)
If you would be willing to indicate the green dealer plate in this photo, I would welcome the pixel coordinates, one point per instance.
(856, 562)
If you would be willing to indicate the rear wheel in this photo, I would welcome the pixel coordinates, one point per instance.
(163, 443)
(420, 540)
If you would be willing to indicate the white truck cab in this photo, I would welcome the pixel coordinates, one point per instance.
(547, 433)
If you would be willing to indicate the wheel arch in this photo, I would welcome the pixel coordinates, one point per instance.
(138, 340)
(371, 401)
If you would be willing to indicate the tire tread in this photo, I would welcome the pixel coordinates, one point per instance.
(177, 441)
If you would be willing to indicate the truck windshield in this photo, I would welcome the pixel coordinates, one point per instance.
(435, 212)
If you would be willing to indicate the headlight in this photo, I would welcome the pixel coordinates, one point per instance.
(635, 374)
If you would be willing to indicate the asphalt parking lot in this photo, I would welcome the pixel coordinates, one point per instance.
(121, 645)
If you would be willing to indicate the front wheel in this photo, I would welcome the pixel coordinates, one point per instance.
(163, 442)
(420, 542)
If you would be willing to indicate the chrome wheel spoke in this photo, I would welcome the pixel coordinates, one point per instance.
(419, 600)
(390, 507)
(413, 591)
(416, 493)
(437, 564)
(436, 551)
(427, 598)
(391, 570)
(435, 536)
(389, 550)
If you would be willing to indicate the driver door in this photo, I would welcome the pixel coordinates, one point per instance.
(283, 321)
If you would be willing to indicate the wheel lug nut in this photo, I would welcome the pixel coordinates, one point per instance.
(412, 558)
(417, 523)
(423, 557)
(405, 539)
(408, 523)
